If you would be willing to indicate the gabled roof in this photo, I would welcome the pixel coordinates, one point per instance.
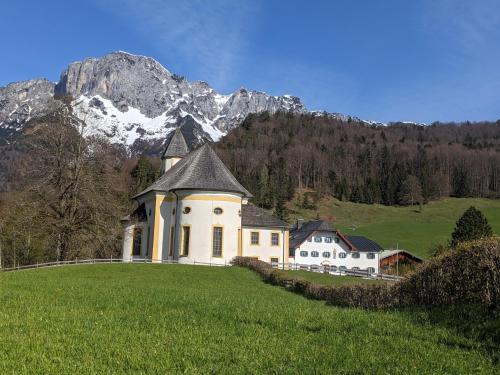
(364, 244)
(201, 169)
(299, 235)
(253, 216)
(387, 253)
(176, 147)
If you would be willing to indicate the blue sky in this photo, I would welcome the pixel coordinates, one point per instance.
(419, 60)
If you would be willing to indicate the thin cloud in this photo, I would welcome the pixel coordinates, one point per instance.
(210, 36)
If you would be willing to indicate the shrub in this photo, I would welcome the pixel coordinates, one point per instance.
(470, 275)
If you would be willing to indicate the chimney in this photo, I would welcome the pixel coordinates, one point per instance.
(300, 222)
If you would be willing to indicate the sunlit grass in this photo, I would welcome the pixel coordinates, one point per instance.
(403, 227)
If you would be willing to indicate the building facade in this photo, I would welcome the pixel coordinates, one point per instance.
(316, 245)
(197, 212)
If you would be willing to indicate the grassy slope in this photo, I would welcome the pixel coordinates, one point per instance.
(193, 319)
(327, 279)
(405, 226)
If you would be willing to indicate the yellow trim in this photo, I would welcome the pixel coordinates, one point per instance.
(258, 238)
(271, 238)
(183, 251)
(156, 228)
(171, 243)
(222, 241)
(215, 198)
(240, 247)
(287, 246)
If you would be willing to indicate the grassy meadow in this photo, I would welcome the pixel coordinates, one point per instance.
(405, 227)
(156, 319)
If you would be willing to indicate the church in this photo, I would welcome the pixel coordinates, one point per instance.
(197, 212)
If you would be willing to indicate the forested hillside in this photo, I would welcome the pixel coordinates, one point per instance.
(274, 156)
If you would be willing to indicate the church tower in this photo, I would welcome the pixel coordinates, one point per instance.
(176, 149)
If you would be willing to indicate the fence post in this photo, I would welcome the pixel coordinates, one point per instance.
(111, 258)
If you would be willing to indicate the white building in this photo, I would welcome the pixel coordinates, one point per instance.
(197, 212)
(316, 244)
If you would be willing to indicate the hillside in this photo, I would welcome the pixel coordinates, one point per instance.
(192, 319)
(406, 227)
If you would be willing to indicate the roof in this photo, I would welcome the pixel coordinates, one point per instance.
(201, 169)
(299, 235)
(387, 253)
(364, 244)
(176, 147)
(139, 214)
(253, 216)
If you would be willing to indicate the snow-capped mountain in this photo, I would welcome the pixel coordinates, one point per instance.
(130, 98)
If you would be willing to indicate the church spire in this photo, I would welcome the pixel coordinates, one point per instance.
(176, 149)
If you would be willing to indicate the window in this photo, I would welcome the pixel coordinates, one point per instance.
(328, 239)
(254, 238)
(315, 254)
(333, 268)
(186, 210)
(355, 268)
(370, 256)
(137, 242)
(318, 239)
(218, 210)
(274, 260)
(303, 253)
(355, 255)
(326, 254)
(342, 255)
(173, 211)
(186, 232)
(171, 248)
(342, 268)
(217, 242)
(275, 239)
(337, 240)
(370, 270)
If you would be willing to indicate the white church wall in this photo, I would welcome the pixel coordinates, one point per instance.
(264, 250)
(201, 220)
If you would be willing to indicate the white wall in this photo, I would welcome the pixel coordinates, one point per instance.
(335, 249)
(201, 219)
(264, 250)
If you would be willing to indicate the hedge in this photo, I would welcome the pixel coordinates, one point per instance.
(468, 275)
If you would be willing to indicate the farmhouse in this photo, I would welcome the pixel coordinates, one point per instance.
(198, 212)
(396, 258)
(316, 243)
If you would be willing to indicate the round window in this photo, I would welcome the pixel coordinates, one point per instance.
(186, 210)
(218, 210)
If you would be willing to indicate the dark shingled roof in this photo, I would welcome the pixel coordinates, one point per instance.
(299, 235)
(364, 244)
(253, 216)
(176, 147)
(201, 169)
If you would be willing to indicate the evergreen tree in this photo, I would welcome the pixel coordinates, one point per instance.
(471, 226)
(280, 210)
(143, 174)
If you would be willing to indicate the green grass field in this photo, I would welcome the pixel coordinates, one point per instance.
(327, 279)
(405, 227)
(157, 319)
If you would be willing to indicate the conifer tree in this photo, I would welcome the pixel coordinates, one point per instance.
(471, 226)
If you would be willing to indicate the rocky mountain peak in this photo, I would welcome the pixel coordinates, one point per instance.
(129, 97)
